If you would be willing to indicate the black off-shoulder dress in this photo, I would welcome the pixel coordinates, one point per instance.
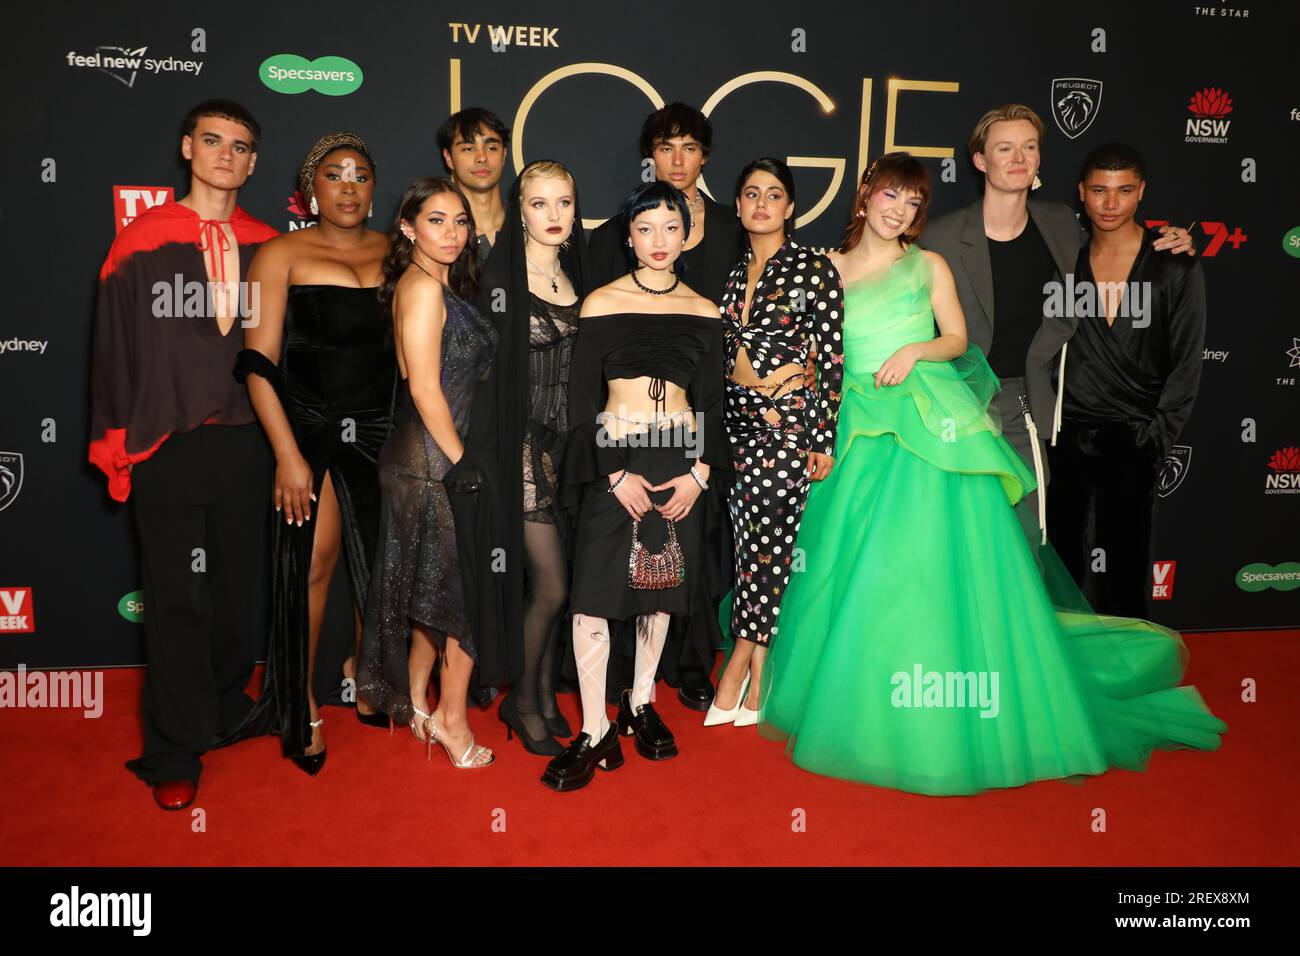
(685, 350)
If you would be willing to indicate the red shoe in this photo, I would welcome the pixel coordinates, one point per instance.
(175, 794)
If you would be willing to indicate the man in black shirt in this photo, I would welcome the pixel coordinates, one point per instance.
(1004, 251)
(678, 138)
(474, 144)
(1129, 385)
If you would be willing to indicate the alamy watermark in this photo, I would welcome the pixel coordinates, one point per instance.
(180, 299)
(1088, 300)
(652, 430)
(946, 689)
(79, 690)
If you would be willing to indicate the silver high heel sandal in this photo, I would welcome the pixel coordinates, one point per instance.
(469, 760)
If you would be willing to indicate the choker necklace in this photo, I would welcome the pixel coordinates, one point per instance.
(551, 278)
(677, 280)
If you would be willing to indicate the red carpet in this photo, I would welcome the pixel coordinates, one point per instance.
(729, 799)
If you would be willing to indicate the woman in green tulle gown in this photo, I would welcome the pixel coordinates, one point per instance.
(926, 644)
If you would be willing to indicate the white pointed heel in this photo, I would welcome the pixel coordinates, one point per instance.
(717, 715)
(746, 717)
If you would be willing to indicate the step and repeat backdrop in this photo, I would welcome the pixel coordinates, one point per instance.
(1206, 89)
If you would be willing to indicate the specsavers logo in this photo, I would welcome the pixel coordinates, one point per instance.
(1261, 577)
(328, 75)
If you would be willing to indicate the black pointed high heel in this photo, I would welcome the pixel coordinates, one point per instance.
(510, 716)
(310, 764)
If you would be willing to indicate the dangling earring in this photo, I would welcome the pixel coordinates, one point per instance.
(314, 206)
(372, 211)
(862, 214)
(1038, 183)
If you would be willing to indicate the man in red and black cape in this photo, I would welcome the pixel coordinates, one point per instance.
(174, 431)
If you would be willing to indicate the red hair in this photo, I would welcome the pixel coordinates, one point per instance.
(901, 171)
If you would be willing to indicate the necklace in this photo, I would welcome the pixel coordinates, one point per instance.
(677, 280)
(550, 278)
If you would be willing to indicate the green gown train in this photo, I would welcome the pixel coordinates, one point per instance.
(926, 645)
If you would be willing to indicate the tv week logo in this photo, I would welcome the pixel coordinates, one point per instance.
(16, 611)
(1162, 580)
(131, 201)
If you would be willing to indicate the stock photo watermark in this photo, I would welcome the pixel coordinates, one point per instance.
(75, 690)
(181, 299)
(946, 689)
(1095, 300)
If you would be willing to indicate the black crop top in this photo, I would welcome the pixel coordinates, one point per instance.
(683, 349)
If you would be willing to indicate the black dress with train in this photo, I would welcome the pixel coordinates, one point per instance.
(335, 382)
(417, 573)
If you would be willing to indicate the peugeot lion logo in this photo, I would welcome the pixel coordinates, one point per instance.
(1174, 470)
(1075, 102)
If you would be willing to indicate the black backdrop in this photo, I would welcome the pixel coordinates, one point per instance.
(791, 80)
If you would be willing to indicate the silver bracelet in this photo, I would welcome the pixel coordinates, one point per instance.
(698, 480)
(617, 481)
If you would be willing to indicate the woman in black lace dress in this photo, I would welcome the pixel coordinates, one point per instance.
(532, 288)
(417, 614)
(319, 367)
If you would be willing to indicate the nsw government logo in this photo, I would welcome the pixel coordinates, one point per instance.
(1174, 470)
(1284, 472)
(1075, 102)
(11, 477)
(1208, 108)
(328, 75)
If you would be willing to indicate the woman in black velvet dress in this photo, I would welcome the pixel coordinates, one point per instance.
(320, 368)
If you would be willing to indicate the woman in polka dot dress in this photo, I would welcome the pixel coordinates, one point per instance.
(782, 304)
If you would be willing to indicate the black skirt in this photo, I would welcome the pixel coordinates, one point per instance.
(603, 542)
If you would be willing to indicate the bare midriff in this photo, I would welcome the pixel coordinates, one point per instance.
(787, 378)
(630, 398)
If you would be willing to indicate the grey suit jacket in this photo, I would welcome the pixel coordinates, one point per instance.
(959, 238)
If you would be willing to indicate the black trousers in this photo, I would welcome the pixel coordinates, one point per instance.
(206, 489)
(1099, 513)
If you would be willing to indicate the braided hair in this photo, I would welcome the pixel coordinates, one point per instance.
(322, 148)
